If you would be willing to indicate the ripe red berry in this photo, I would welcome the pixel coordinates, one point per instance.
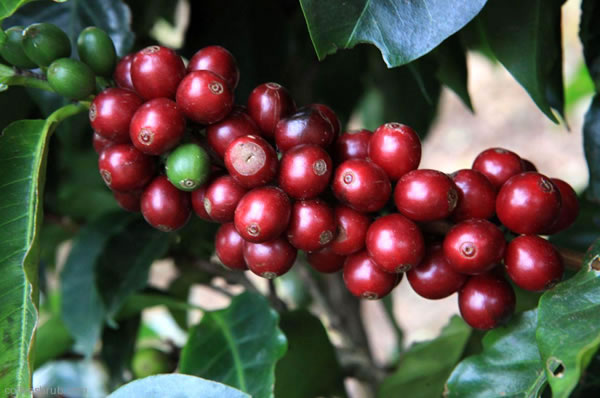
(486, 301)
(526, 165)
(395, 243)
(434, 278)
(474, 246)
(221, 198)
(197, 197)
(425, 195)
(533, 263)
(352, 145)
(229, 246)
(396, 148)
(251, 161)
(312, 225)
(498, 165)
(307, 126)
(269, 103)
(157, 126)
(528, 203)
(122, 74)
(100, 143)
(156, 72)
(330, 115)
(305, 171)
(204, 97)
(362, 185)
(237, 124)
(164, 206)
(111, 112)
(365, 280)
(263, 214)
(124, 168)
(569, 207)
(129, 200)
(477, 195)
(270, 259)
(325, 260)
(351, 230)
(217, 60)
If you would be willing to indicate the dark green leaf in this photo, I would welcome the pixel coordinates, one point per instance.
(238, 346)
(52, 339)
(118, 346)
(8, 7)
(452, 68)
(591, 145)
(589, 33)
(423, 371)
(15, 105)
(584, 231)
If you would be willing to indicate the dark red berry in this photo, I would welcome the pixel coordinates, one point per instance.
(307, 126)
(569, 207)
(124, 168)
(330, 115)
(498, 165)
(217, 60)
(312, 225)
(221, 198)
(528, 203)
(486, 301)
(229, 246)
(434, 278)
(325, 260)
(122, 74)
(396, 148)
(111, 112)
(425, 195)
(476, 195)
(352, 145)
(533, 263)
(157, 126)
(270, 259)
(100, 143)
(395, 243)
(365, 280)
(237, 124)
(362, 185)
(251, 161)
(263, 214)
(129, 200)
(269, 103)
(197, 197)
(204, 97)
(526, 165)
(351, 230)
(156, 72)
(305, 171)
(164, 206)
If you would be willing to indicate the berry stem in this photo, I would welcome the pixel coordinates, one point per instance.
(17, 77)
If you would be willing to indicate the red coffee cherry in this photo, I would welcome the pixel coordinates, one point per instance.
(129, 200)
(156, 72)
(251, 161)
(237, 124)
(526, 165)
(305, 171)
(426, 195)
(100, 143)
(325, 260)
(307, 126)
(477, 195)
(164, 206)
(221, 198)
(434, 278)
(533, 263)
(124, 168)
(269, 103)
(486, 301)
(351, 230)
(270, 259)
(396, 148)
(122, 74)
(157, 126)
(312, 225)
(569, 207)
(365, 280)
(111, 112)
(197, 197)
(352, 145)
(204, 97)
(528, 203)
(395, 243)
(229, 246)
(498, 165)
(474, 246)
(362, 185)
(329, 115)
(263, 214)
(217, 60)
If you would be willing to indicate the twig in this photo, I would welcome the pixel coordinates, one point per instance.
(276, 302)
(231, 277)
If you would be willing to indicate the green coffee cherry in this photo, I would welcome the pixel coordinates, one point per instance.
(12, 51)
(71, 78)
(97, 50)
(150, 361)
(188, 167)
(44, 43)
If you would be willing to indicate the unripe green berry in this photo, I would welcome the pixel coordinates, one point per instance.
(44, 43)
(71, 78)
(188, 167)
(12, 51)
(150, 361)
(97, 50)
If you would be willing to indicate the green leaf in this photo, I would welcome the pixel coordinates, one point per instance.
(591, 146)
(568, 332)
(589, 33)
(309, 349)
(525, 37)
(402, 30)
(52, 339)
(422, 371)
(584, 231)
(118, 346)
(8, 7)
(509, 365)
(452, 68)
(238, 346)
(176, 386)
